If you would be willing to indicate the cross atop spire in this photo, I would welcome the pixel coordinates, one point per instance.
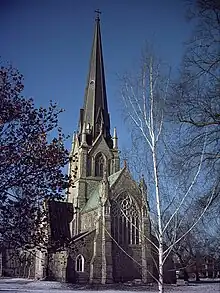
(98, 12)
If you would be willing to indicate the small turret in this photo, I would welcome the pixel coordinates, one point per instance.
(73, 143)
(84, 142)
(115, 139)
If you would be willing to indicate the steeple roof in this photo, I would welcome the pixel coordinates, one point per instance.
(95, 110)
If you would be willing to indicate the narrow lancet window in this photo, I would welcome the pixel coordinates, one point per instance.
(99, 165)
(79, 263)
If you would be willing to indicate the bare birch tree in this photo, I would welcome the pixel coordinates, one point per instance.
(144, 96)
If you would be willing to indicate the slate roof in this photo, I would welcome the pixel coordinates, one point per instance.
(113, 178)
(81, 235)
(93, 201)
(60, 215)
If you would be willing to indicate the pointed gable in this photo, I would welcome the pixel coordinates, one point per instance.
(100, 145)
(122, 181)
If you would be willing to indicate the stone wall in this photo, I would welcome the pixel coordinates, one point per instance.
(57, 266)
(83, 246)
(88, 220)
(101, 264)
(40, 264)
(124, 268)
(62, 264)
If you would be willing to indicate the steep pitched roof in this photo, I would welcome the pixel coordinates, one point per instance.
(93, 201)
(114, 177)
(60, 215)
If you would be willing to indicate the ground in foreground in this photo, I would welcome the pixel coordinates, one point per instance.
(9, 285)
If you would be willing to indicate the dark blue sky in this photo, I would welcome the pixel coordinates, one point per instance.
(49, 41)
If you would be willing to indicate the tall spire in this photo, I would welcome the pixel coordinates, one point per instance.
(95, 111)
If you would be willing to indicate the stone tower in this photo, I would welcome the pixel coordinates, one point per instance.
(94, 151)
(95, 154)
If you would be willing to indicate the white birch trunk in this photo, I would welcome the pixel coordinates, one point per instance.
(147, 116)
(153, 134)
(160, 229)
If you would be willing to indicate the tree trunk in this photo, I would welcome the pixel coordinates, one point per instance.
(160, 280)
(160, 240)
(197, 266)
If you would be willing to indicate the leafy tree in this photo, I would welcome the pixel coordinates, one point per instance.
(31, 165)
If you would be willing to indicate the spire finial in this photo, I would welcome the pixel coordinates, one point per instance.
(115, 139)
(98, 12)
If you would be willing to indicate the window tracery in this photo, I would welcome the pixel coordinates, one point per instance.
(125, 218)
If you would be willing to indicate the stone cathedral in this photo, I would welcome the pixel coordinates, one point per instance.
(110, 222)
(105, 217)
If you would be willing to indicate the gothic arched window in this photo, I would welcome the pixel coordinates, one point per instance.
(88, 167)
(125, 217)
(99, 165)
(79, 266)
